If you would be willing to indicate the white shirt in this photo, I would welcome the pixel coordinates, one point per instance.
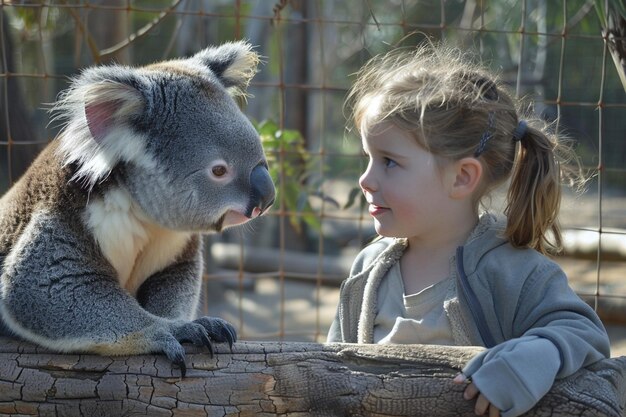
(416, 318)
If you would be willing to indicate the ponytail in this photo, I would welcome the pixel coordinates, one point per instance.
(534, 194)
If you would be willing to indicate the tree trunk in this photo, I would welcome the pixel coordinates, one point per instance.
(15, 117)
(269, 378)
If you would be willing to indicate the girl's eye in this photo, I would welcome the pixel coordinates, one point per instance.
(390, 163)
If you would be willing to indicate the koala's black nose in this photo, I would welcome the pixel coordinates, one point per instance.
(262, 190)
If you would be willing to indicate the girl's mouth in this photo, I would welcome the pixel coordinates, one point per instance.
(375, 210)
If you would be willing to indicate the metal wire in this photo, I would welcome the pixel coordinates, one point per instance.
(164, 21)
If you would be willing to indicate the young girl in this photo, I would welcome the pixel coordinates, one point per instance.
(440, 134)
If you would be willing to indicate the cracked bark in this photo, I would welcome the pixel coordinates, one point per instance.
(269, 378)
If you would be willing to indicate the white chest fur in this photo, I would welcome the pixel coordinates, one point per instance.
(134, 246)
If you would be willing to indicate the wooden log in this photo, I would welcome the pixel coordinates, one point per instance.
(271, 378)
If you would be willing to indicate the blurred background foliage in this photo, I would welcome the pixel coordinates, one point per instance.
(551, 52)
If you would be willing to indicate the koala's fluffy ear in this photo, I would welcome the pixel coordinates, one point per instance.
(109, 104)
(234, 63)
(97, 110)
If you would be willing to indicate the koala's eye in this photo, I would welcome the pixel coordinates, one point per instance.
(219, 170)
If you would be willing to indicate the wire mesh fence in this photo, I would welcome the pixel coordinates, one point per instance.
(278, 277)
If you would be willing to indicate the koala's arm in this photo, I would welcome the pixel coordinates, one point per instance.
(174, 292)
(54, 272)
(59, 292)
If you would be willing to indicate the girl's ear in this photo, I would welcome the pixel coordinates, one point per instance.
(465, 178)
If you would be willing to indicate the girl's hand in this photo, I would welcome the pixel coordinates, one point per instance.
(482, 403)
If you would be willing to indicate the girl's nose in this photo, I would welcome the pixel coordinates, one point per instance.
(366, 181)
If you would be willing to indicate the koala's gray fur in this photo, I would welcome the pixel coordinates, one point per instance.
(100, 247)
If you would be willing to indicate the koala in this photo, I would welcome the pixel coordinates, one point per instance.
(100, 240)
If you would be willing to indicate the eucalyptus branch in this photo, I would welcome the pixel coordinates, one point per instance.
(141, 32)
(91, 43)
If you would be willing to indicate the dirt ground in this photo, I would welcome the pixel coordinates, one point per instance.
(267, 309)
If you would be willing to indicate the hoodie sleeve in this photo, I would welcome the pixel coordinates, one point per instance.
(550, 309)
(553, 334)
(516, 374)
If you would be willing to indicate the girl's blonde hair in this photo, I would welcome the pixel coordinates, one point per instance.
(456, 109)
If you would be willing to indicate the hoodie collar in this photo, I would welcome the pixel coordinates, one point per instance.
(487, 235)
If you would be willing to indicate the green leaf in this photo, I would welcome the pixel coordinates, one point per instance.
(291, 136)
(291, 171)
(267, 127)
(313, 221)
(354, 193)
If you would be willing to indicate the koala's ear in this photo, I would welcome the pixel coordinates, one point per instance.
(234, 63)
(96, 114)
(109, 104)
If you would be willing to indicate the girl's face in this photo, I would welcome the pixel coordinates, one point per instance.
(403, 185)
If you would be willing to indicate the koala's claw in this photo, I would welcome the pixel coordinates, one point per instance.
(175, 353)
(206, 341)
(195, 333)
(219, 330)
(183, 368)
(201, 332)
(231, 335)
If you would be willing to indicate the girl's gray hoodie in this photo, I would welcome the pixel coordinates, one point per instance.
(515, 302)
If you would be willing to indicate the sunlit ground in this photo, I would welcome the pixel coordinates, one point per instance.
(306, 313)
(265, 308)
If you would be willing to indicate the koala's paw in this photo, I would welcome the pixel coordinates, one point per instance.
(200, 332)
(172, 348)
(219, 330)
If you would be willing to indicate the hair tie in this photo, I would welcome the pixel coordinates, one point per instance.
(520, 131)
